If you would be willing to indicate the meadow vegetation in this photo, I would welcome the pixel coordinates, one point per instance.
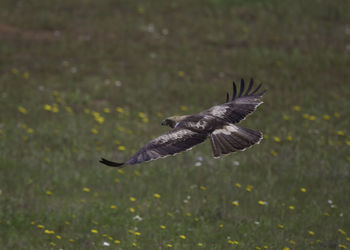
(84, 79)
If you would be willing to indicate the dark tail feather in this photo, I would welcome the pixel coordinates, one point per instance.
(111, 163)
(232, 138)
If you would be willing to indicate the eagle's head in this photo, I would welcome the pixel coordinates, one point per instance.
(169, 122)
(173, 120)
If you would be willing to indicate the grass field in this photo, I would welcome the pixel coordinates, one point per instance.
(84, 79)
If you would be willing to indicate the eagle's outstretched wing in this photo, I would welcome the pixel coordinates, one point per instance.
(175, 141)
(240, 105)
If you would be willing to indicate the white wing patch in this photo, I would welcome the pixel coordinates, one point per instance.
(200, 124)
(218, 110)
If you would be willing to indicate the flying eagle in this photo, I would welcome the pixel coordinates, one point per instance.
(217, 123)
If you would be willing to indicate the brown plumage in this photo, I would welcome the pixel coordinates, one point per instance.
(217, 123)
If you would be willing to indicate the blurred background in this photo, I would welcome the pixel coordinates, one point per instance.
(80, 80)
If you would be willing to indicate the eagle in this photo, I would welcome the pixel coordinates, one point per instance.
(216, 123)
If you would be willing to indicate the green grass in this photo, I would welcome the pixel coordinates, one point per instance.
(171, 58)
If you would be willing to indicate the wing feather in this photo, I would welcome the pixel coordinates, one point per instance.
(240, 106)
(175, 141)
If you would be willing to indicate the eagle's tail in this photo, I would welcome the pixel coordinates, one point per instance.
(111, 163)
(231, 138)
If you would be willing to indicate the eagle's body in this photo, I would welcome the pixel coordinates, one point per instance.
(217, 123)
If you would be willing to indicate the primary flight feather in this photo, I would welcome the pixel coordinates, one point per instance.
(217, 123)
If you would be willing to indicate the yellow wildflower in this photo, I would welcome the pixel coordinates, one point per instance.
(183, 108)
(286, 117)
(162, 227)
(67, 222)
(26, 75)
(49, 231)
(347, 142)
(86, 111)
(340, 132)
(94, 131)
(235, 203)
(142, 115)
(200, 244)
(341, 246)
(276, 139)
(94, 231)
(69, 109)
(311, 232)
(116, 180)
(221, 225)
(286, 248)
(156, 195)
(341, 231)
(15, 71)
(182, 237)
(273, 153)
(233, 242)
(52, 244)
(59, 237)
(181, 73)
(169, 245)
(107, 110)
(289, 138)
(22, 110)
(47, 107)
(262, 203)
(348, 239)
(296, 108)
(86, 189)
(117, 241)
(336, 115)
(326, 214)
(137, 233)
(134, 244)
(303, 189)
(140, 10)
(132, 210)
(292, 242)
(203, 188)
(121, 148)
(119, 109)
(48, 192)
(238, 185)
(120, 171)
(132, 199)
(291, 207)
(71, 240)
(55, 108)
(326, 117)
(113, 206)
(100, 119)
(30, 130)
(41, 226)
(280, 226)
(312, 118)
(249, 188)
(306, 116)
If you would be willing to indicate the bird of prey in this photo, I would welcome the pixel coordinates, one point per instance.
(216, 123)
